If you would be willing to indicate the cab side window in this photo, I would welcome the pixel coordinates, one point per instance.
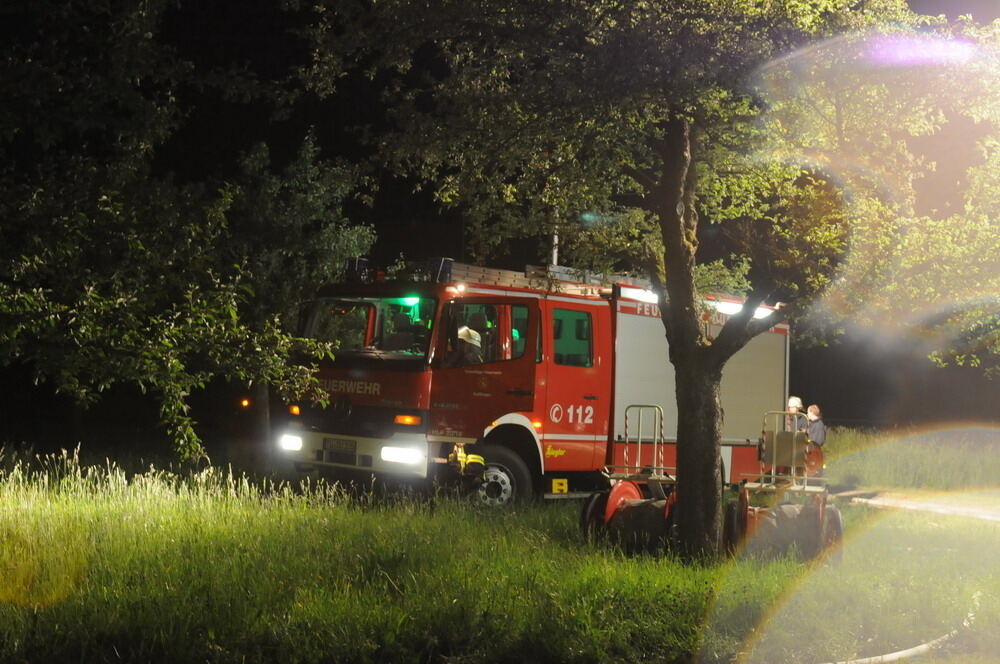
(573, 338)
(481, 333)
(472, 334)
(484, 320)
(518, 331)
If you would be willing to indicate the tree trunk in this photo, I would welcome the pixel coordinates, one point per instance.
(699, 430)
(697, 368)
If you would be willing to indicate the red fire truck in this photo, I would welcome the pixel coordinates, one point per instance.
(543, 396)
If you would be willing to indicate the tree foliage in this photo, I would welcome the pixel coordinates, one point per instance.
(875, 111)
(113, 270)
(288, 229)
(639, 131)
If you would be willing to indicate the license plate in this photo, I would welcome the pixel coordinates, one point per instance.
(340, 445)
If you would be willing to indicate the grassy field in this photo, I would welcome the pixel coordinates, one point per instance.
(934, 460)
(97, 565)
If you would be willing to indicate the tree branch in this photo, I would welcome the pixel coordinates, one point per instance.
(742, 326)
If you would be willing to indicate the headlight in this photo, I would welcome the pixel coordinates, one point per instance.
(290, 442)
(408, 455)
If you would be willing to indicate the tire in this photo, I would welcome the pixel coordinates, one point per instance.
(732, 533)
(833, 534)
(810, 527)
(592, 517)
(506, 478)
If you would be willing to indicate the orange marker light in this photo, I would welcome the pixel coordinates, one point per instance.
(294, 410)
(245, 403)
(537, 424)
(409, 420)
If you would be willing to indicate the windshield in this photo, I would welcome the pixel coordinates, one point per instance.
(399, 325)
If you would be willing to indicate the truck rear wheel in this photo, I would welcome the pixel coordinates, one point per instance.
(732, 527)
(592, 517)
(506, 478)
(833, 534)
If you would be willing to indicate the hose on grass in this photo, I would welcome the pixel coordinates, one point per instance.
(923, 648)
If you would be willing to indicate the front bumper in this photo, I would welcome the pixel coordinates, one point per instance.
(404, 455)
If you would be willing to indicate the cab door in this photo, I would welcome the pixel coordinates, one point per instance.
(469, 392)
(577, 349)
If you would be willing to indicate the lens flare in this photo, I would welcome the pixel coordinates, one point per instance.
(922, 266)
(917, 565)
(907, 50)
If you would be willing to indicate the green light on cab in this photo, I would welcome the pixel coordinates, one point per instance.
(411, 300)
(515, 334)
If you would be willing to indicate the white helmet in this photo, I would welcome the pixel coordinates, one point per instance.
(469, 335)
(795, 401)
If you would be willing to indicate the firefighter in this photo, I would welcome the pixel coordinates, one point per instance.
(794, 421)
(816, 429)
(469, 467)
(467, 349)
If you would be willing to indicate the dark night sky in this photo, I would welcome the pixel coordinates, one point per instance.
(981, 10)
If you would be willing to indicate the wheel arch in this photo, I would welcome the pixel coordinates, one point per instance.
(520, 440)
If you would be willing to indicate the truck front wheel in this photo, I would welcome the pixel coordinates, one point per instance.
(506, 478)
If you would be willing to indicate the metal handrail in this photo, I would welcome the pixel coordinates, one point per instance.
(797, 478)
(639, 415)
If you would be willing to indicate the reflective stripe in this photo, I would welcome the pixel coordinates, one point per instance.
(582, 299)
(505, 293)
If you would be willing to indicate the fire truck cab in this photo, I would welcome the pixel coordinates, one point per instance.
(541, 397)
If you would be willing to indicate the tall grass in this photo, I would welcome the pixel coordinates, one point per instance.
(941, 460)
(98, 565)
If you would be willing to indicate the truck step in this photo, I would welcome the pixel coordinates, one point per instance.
(577, 495)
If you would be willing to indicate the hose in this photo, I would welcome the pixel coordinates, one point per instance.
(923, 648)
